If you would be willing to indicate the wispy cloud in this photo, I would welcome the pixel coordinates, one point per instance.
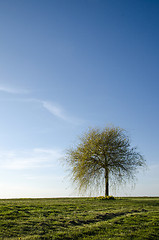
(12, 90)
(59, 112)
(55, 110)
(35, 158)
(52, 107)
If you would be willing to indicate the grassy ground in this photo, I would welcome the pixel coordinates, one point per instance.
(80, 218)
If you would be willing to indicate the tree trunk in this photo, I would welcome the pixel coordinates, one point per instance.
(106, 182)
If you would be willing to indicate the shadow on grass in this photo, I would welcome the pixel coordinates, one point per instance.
(103, 217)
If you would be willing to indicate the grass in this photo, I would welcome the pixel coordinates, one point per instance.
(79, 218)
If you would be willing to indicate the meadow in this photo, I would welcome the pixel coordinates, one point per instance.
(79, 218)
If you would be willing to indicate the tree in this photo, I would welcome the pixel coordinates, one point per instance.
(102, 155)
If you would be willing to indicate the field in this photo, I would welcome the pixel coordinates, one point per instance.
(79, 218)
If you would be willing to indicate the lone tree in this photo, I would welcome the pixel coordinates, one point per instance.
(102, 155)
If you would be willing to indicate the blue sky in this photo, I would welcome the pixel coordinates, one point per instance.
(69, 65)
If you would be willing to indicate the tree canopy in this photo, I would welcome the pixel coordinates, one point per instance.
(101, 155)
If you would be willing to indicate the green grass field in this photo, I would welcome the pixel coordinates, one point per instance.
(79, 218)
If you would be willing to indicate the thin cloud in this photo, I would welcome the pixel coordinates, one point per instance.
(12, 90)
(35, 158)
(57, 111)
(54, 109)
(51, 107)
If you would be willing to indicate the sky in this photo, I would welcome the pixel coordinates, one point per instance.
(69, 65)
